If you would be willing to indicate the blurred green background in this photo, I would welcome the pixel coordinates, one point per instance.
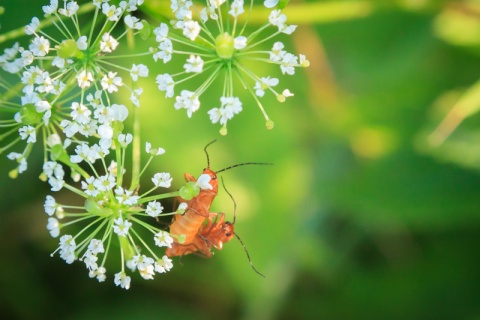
(361, 217)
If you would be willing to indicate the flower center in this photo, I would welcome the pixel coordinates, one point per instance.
(224, 45)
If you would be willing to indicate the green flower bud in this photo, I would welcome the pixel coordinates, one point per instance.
(29, 115)
(58, 153)
(94, 208)
(181, 238)
(189, 191)
(224, 45)
(146, 31)
(68, 49)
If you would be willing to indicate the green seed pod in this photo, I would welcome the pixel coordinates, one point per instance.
(94, 208)
(29, 115)
(189, 191)
(224, 44)
(68, 49)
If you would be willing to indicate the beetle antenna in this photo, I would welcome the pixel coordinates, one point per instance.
(246, 163)
(205, 149)
(248, 256)
(234, 203)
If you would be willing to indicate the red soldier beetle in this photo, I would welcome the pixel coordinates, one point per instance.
(214, 232)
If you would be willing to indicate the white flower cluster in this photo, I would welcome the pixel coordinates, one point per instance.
(110, 212)
(67, 82)
(214, 47)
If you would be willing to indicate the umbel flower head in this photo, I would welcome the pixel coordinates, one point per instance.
(217, 47)
(67, 76)
(112, 217)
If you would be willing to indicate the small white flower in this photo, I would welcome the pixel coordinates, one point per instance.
(142, 261)
(154, 209)
(126, 197)
(187, 100)
(288, 63)
(105, 183)
(285, 94)
(53, 227)
(140, 70)
(303, 60)
(84, 79)
(163, 265)
(182, 207)
(236, 8)
(148, 272)
(163, 239)
(133, 22)
(288, 29)
(40, 46)
(108, 43)
(161, 32)
(29, 133)
(121, 226)
(90, 260)
(89, 186)
(111, 82)
(96, 246)
(276, 18)
(105, 131)
(204, 182)
(165, 83)
(56, 184)
(153, 151)
(83, 152)
(113, 13)
(99, 274)
(135, 95)
(191, 29)
(53, 169)
(131, 5)
(32, 27)
(194, 64)
(95, 99)
(51, 8)
(277, 52)
(144, 264)
(240, 42)
(50, 205)
(166, 50)
(264, 84)
(122, 280)
(270, 3)
(82, 43)
(125, 139)
(119, 112)
(22, 166)
(67, 248)
(162, 179)
(80, 113)
(44, 107)
(70, 10)
(218, 115)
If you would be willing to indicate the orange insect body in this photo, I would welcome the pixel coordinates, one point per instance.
(197, 211)
(214, 232)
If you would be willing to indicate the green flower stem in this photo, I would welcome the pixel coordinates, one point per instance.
(135, 150)
(109, 235)
(160, 196)
(20, 32)
(119, 156)
(143, 242)
(75, 190)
